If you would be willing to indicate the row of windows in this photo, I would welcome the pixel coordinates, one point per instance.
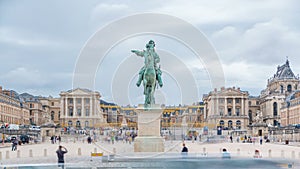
(78, 123)
(71, 113)
(229, 112)
(10, 110)
(237, 100)
(289, 88)
(78, 100)
(238, 124)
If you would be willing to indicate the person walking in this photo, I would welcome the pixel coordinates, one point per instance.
(59, 139)
(14, 145)
(60, 156)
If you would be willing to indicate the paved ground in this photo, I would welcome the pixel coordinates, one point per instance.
(80, 152)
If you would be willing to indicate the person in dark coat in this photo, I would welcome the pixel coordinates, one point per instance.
(184, 149)
(60, 156)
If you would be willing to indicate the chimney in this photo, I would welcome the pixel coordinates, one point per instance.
(215, 90)
(238, 89)
(0, 89)
(233, 87)
(222, 88)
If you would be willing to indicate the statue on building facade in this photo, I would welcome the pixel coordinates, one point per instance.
(150, 73)
(259, 117)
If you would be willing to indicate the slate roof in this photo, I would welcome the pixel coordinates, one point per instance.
(284, 72)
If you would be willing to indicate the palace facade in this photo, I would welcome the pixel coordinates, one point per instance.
(172, 116)
(12, 109)
(227, 108)
(290, 110)
(230, 108)
(81, 108)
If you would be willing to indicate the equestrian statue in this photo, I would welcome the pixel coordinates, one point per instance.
(150, 73)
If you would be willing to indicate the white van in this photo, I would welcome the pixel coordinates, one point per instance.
(36, 128)
(13, 127)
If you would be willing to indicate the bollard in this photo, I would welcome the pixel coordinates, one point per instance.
(204, 153)
(7, 155)
(18, 154)
(30, 152)
(115, 150)
(299, 155)
(79, 151)
(95, 150)
(270, 153)
(74, 140)
(45, 152)
(0, 155)
(238, 151)
(282, 153)
(293, 154)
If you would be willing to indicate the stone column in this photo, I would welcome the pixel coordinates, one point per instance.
(66, 107)
(233, 106)
(213, 105)
(74, 106)
(217, 106)
(226, 110)
(243, 107)
(246, 106)
(91, 108)
(62, 108)
(82, 107)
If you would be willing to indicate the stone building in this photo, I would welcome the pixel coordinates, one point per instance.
(254, 108)
(52, 108)
(174, 115)
(37, 112)
(12, 109)
(80, 108)
(290, 110)
(227, 107)
(279, 86)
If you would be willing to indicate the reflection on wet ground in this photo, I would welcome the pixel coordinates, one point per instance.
(174, 163)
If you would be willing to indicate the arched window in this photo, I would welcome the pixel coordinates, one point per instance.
(281, 89)
(238, 124)
(70, 123)
(289, 88)
(275, 112)
(77, 123)
(52, 115)
(222, 123)
(229, 124)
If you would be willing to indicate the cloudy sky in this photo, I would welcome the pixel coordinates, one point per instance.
(42, 44)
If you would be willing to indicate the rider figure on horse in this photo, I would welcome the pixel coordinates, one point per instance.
(149, 51)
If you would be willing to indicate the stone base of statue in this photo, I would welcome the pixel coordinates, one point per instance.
(149, 139)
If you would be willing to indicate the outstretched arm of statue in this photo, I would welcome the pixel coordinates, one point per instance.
(138, 53)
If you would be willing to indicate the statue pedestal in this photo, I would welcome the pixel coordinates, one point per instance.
(149, 139)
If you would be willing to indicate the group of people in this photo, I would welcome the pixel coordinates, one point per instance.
(55, 139)
(225, 153)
